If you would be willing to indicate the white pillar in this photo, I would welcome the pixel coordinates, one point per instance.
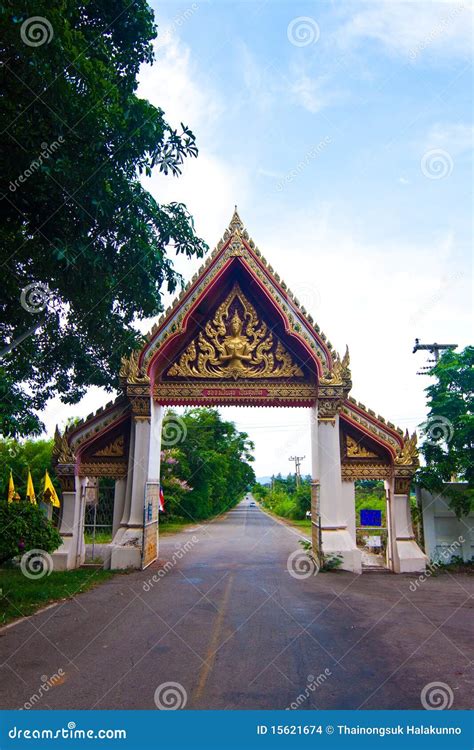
(119, 502)
(348, 507)
(154, 456)
(140, 471)
(128, 541)
(337, 509)
(329, 473)
(71, 553)
(315, 517)
(407, 557)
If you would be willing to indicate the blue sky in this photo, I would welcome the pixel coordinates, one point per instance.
(343, 131)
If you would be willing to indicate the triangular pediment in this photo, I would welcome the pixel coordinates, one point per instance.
(235, 344)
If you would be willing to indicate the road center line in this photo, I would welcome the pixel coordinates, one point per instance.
(213, 645)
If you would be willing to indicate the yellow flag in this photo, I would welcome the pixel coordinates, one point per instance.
(49, 493)
(30, 490)
(12, 495)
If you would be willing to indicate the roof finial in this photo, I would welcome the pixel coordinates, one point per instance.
(236, 226)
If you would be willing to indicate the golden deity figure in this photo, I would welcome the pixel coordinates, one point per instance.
(236, 346)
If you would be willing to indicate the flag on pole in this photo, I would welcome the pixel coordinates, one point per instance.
(49, 493)
(12, 495)
(161, 505)
(30, 490)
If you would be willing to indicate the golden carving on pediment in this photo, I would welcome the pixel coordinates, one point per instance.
(115, 448)
(356, 450)
(131, 371)
(408, 454)
(62, 452)
(340, 373)
(235, 344)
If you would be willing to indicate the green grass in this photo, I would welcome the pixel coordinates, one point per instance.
(177, 524)
(21, 596)
(305, 523)
(101, 537)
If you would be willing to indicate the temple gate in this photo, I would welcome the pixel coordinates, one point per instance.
(236, 335)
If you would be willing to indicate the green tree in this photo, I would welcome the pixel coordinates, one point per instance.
(213, 458)
(84, 246)
(448, 446)
(35, 455)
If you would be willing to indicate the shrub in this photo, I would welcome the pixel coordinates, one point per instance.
(24, 526)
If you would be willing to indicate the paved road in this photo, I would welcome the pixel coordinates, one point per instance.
(227, 621)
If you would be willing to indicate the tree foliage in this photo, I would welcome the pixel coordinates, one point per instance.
(210, 466)
(35, 455)
(448, 446)
(284, 497)
(84, 246)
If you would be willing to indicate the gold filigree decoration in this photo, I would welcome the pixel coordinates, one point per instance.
(130, 370)
(355, 450)
(113, 449)
(235, 344)
(408, 454)
(62, 451)
(340, 373)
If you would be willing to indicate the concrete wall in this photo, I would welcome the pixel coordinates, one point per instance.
(445, 535)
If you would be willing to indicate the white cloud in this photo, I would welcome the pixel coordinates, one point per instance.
(414, 30)
(456, 138)
(310, 91)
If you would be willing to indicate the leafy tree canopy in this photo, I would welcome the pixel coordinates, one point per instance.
(84, 246)
(208, 469)
(448, 446)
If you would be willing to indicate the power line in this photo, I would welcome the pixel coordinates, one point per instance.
(433, 349)
(297, 460)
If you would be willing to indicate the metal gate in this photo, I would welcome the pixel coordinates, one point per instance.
(99, 512)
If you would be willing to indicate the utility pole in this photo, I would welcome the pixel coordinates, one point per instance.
(433, 349)
(297, 460)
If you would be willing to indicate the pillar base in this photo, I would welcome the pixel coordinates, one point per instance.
(408, 557)
(126, 549)
(66, 557)
(340, 542)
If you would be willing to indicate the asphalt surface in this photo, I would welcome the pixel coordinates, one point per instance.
(227, 622)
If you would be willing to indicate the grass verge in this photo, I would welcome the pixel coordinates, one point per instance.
(21, 596)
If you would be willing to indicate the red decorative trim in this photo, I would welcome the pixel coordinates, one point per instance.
(375, 438)
(100, 434)
(289, 331)
(383, 425)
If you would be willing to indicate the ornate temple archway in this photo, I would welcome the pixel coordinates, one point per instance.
(236, 335)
